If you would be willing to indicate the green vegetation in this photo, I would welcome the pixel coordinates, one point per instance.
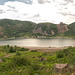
(12, 49)
(33, 50)
(23, 62)
(15, 28)
(68, 54)
(48, 27)
(21, 29)
(71, 31)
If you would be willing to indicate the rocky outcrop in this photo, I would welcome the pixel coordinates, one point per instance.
(39, 30)
(62, 68)
(50, 29)
(45, 29)
(62, 27)
(1, 34)
(52, 32)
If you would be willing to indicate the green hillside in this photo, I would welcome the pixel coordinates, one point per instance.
(71, 31)
(15, 28)
(48, 27)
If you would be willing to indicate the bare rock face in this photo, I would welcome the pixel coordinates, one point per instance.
(52, 32)
(38, 30)
(62, 27)
(1, 33)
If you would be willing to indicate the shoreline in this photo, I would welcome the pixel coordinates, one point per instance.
(57, 37)
(44, 49)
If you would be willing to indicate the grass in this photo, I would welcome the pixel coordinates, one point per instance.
(35, 63)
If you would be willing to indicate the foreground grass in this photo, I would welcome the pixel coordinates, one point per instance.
(23, 62)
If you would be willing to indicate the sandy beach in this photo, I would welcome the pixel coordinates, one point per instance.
(45, 49)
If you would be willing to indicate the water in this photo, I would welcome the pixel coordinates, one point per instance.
(40, 42)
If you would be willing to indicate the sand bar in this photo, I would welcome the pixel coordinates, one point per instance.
(45, 49)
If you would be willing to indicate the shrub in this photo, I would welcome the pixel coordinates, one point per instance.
(11, 49)
(40, 56)
(26, 49)
(20, 60)
(35, 66)
(18, 53)
(23, 49)
(8, 46)
(66, 52)
(33, 50)
(60, 55)
(4, 47)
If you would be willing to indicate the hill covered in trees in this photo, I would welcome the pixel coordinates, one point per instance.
(16, 28)
(71, 31)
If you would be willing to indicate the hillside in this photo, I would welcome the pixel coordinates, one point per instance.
(16, 28)
(46, 29)
(71, 31)
(50, 29)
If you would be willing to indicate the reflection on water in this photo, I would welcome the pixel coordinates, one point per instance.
(40, 42)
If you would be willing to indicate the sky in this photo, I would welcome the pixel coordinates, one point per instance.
(54, 11)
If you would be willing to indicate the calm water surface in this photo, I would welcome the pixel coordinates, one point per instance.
(40, 42)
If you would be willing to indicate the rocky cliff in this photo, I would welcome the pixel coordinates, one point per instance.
(50, 29)
(62, 27)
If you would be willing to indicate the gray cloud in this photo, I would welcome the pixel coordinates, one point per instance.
(11, 7)
(11, 10)
(1, 11)
(25, 14)
(69, 1)
(36, 16)
(63, 4)
(2, 2)
(43, 1)
(67, 14)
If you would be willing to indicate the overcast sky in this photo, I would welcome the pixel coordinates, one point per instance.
(54, 11)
